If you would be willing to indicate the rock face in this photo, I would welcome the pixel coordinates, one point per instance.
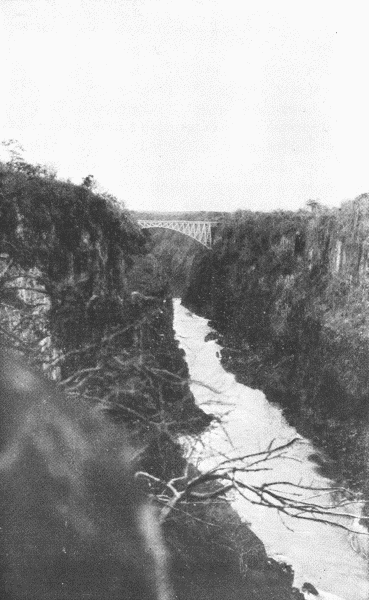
(218, 556)
(288, 294)
(68, 290)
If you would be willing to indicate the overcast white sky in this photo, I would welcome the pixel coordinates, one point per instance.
(191, 104)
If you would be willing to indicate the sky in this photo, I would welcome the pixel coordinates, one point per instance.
(191, 104)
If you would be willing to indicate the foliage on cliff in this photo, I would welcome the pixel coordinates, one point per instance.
(68, 296)
(46, 223)
(289, 294)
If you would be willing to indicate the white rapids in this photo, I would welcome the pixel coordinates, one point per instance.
(320, 554)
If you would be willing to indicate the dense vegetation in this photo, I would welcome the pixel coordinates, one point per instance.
(288, 294)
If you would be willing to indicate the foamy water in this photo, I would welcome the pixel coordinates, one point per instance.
(320, 554)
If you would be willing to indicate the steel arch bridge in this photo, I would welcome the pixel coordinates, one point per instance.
(198, 230)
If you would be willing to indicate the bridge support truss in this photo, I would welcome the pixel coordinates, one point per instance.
(198, 230)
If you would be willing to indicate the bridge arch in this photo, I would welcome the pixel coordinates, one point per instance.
(197, 230)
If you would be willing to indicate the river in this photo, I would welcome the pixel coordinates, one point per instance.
(320, 554)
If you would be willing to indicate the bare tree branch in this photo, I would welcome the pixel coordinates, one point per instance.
(224, 477)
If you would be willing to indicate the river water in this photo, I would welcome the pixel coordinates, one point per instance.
(320, 554)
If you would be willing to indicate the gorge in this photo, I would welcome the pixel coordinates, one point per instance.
(86, 296)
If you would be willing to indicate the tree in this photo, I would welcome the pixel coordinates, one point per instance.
(89, 182)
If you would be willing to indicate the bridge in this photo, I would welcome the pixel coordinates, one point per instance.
(198, 230)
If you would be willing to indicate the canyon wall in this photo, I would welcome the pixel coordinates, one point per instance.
(288, 294)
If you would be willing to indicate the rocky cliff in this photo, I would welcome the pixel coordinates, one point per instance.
(288, 293)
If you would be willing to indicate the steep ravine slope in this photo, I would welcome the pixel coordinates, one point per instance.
(75, 295)
(288, 293)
